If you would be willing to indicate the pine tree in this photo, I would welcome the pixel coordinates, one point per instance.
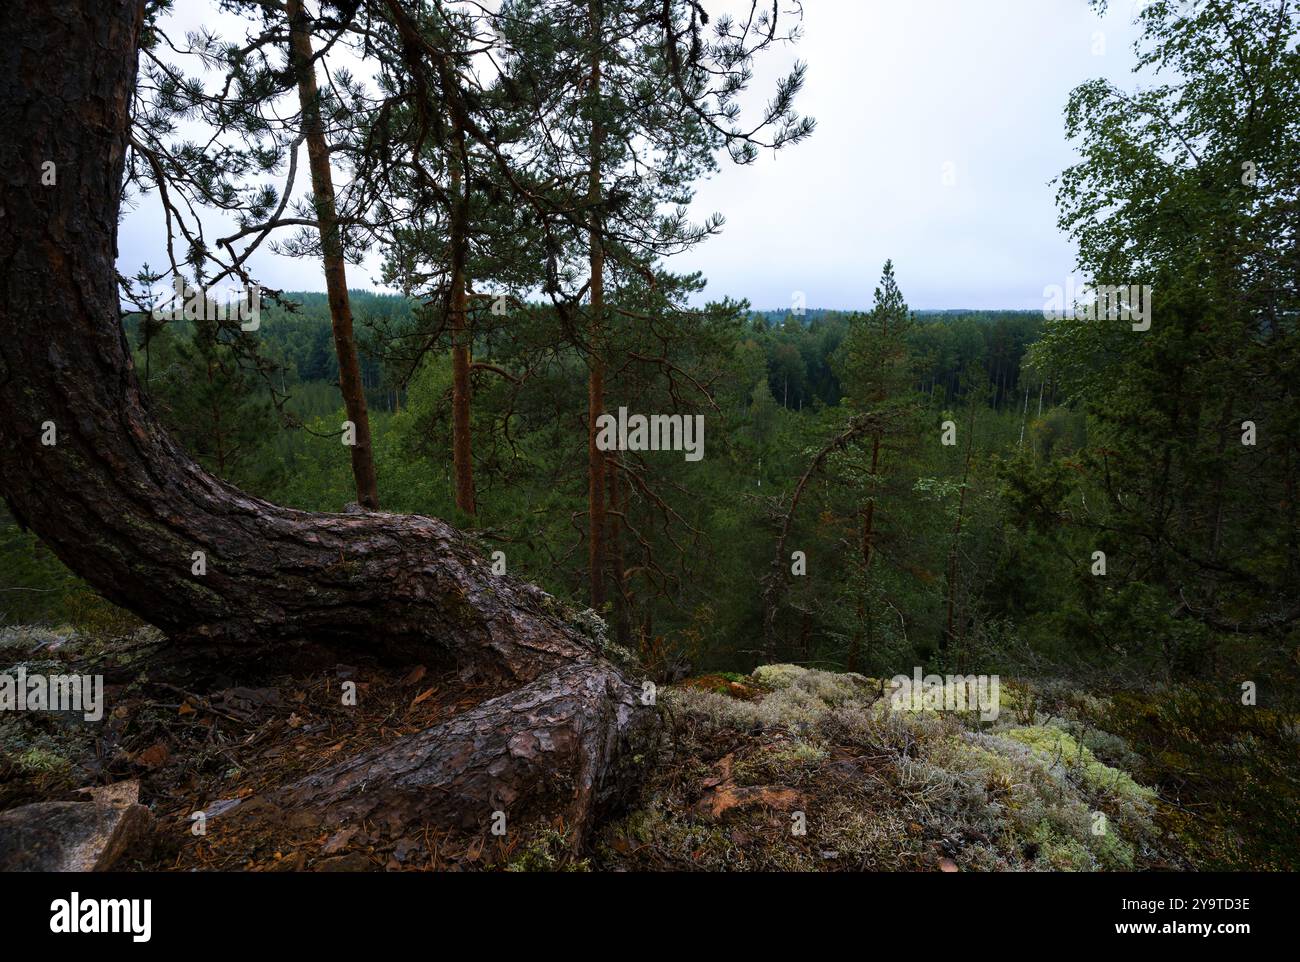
(212, 402)
(874, 370)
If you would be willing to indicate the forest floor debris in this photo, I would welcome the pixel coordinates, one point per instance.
(201, 754)
(788, 768)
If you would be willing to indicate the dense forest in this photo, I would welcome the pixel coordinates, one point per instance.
(685, 596)
(991, 522)
(744, 519)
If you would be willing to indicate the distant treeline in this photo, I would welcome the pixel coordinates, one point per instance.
(955, 351)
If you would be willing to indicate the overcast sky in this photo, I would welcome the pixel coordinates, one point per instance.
(939, 128)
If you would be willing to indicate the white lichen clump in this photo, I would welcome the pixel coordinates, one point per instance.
(1007, 795)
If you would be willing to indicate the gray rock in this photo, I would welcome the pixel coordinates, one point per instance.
(87, 836)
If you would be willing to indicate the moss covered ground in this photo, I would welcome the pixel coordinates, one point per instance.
(788, 768)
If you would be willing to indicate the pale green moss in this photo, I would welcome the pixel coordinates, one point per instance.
(778, 676)
(548, 851)
(665, 836)
(1113, 851)
(1061, 853)
(798, 755)
(39, 760)
(1018, 797)
(1060, 747)
(829, 686)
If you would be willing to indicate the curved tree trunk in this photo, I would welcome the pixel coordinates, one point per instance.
(563, 740)
(125, 508)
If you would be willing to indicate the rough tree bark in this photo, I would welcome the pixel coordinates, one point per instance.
(462, 447)
(596, 467)
(127, 509)
(331, 239)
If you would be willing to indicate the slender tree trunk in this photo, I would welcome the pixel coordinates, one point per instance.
(596, 484)
(596, 467)
(336, 279)
(1024, 418)
(119, 502)
(618, 566)
(218, 435)
(461, 441)
(956, 534)
(867, 546)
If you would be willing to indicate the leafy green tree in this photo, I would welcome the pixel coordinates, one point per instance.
(1189, 187)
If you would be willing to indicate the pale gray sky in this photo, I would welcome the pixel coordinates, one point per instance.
(940, 126)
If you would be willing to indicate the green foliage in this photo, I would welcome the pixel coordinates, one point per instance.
(36, 586)
(1187, 187)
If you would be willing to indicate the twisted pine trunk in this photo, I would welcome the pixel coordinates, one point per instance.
(126, 509)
